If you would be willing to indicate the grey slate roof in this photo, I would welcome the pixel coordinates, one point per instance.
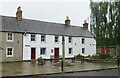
(34, 26)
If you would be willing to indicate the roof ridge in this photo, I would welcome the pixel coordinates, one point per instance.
(36, 26)
(41, 21)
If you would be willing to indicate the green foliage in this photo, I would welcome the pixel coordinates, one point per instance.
(105, 21)
(88, 56)
(114, 57)
(103, 56)
(94, 56)
(79, 57)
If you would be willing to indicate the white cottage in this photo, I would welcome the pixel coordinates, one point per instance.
(45, 38)
(26, 39)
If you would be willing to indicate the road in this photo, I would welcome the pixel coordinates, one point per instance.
(111, 73)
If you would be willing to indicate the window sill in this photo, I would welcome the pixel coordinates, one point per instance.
(9, 40)
(43, 41)
(70, 54)
(83, 43)
(56, 42)
(9, 56)
(33, 41)
(70, 43)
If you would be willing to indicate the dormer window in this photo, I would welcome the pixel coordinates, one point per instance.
(10, 37)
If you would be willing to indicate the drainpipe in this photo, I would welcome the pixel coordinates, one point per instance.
(63, 52)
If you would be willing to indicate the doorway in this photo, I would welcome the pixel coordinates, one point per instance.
(33, 53)
(56, 54)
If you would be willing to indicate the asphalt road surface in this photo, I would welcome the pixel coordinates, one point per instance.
(111, 73)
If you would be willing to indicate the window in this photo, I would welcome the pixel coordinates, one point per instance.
(56, 38)
(83, 40)
(9, 52)
(43, 38)
(43, 51)
(32, 37)
(70, 51)
(70, 39)
(10, 37)
(83, 50)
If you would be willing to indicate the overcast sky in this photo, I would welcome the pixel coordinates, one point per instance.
(48, 10)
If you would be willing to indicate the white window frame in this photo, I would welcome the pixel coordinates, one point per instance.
(71, 51)
(70, 40)
(82, 50)
(8, 36)
(56, 39)
(45, 50)
(83, 40)
(7, 52)
(32, 37)
(43, 39)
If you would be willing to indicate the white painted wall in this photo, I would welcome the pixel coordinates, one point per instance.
(76, 45)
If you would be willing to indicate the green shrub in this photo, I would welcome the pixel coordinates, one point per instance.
(79, 56)
(88, 56)
(102, 56)
(94, 56)
(114, 57)
(105, 56)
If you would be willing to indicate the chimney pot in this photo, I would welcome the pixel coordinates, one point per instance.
(85, 25)
(67, 21)
(19, 14)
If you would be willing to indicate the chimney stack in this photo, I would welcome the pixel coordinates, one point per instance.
(19, 14)
(85, 25)
(67, 21)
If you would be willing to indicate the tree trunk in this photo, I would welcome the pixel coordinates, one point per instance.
(118, 50)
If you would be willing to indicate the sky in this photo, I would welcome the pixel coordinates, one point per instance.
(48, 10)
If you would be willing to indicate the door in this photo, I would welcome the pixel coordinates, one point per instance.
(33, 53)
(56, 54)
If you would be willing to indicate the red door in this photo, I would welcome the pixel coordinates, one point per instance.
(107, 50)
(33, 53)
(56, 54)
(103, 50)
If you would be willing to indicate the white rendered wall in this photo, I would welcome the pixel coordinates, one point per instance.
(90, 47)
(76, 45)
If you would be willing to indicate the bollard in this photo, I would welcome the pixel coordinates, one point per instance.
(61, 65)
(118, 63)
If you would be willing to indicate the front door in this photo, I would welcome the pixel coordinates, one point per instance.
(33, 53)
(56, 54)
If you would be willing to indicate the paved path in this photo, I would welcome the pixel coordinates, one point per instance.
(32, 68)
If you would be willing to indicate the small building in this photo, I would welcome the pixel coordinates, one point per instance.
(27, 39)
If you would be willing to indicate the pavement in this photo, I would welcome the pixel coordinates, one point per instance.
(32, 68)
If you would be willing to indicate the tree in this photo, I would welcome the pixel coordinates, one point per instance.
(105, 23)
